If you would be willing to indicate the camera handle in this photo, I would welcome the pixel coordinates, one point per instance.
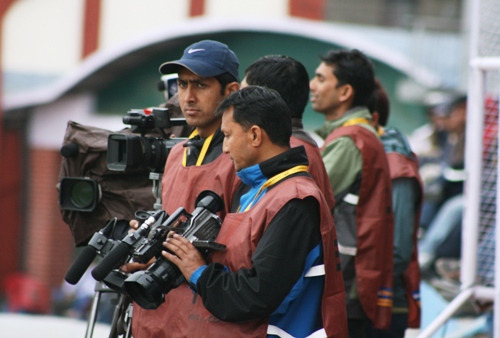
(156, 178)
(121, 316)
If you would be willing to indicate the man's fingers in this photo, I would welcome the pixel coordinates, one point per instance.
(133, 224)
(178, 244)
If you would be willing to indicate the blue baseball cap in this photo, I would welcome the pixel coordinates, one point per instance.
(206, 58)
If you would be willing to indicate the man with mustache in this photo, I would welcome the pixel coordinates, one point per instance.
(208, 72)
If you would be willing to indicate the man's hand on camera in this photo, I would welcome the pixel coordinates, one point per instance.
(133, 267)
(187, 258)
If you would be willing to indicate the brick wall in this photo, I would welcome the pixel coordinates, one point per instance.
(49, 244)
(10, 202)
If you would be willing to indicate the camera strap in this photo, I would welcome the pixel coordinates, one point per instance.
(275, 179)
(203, 152)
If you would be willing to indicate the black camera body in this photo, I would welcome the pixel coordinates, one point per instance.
(131, 152)
(148, 288)
(200, 228)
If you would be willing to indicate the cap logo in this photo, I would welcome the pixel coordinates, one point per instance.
(195, 50)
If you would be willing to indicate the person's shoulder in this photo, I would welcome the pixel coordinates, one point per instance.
(395, 141)
(342, 141)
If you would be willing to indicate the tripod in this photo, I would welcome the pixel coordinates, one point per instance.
(121, 324)
(122, 315)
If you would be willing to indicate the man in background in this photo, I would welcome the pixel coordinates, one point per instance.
(359, 175)
(407, 197)
(290, 79)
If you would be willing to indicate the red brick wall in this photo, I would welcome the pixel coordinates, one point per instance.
(197, 8)
(49, 247)
(91, 26)
(309, 9)
(10, 202)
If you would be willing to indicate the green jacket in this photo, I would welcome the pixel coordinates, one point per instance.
(342, 158)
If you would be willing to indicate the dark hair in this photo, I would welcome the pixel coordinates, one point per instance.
(460, 99)
(285, 75)
(379, 102)
(262, 107)
(354, 68)
(224, 79)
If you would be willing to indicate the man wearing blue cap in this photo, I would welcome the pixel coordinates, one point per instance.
(208, 72)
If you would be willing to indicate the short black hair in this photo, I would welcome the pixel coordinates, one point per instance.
(263, 107)
(379, 102)
(354, 68)
(224, 79)
(285, 75)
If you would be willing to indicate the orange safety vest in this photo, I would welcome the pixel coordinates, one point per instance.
(374, 226)
(402, 166)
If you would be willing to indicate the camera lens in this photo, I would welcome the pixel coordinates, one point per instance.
(148, 288)
(79, 194)
(82, 194)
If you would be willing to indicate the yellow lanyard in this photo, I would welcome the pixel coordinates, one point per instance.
(380, 131)
(275, 179)
(357, 120)
(203, 151)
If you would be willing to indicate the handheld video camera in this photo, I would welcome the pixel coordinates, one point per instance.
(108, 243)
(128, 151)
(148, 288)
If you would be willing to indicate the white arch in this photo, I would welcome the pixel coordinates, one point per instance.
(322, 31)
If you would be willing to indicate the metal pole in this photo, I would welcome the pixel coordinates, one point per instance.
(93, 313)
(447, 313)
(473, 153)
(496, 299)
(473, 169)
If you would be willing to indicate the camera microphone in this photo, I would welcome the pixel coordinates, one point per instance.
(80, 265)
(110, 261)
(69, 150)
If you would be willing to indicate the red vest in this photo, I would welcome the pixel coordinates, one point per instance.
(316, 169)
(375, 226)
(241, 232)
(403, 166)
(180, 188)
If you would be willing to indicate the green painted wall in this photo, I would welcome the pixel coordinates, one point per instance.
(136, 88)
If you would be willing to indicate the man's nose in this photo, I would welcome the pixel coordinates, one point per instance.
(190, 94)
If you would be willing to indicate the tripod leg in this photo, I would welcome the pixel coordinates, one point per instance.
(128, 320)
(93, 315)
(122, 318)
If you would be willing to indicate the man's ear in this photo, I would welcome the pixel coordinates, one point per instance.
(255, 135)
(346, 93)
(375, 118)
(231, 87)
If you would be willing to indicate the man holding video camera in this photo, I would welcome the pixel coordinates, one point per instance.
(280, 273)
(207, 73)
